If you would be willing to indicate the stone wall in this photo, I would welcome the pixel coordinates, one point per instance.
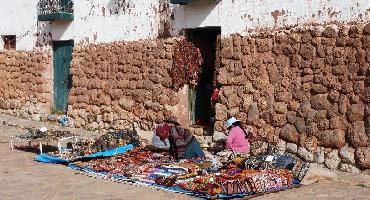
(117, 84)
(304, 90)
(26, 83)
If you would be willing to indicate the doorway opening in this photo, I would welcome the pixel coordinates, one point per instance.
(201, 110)
(62, 56)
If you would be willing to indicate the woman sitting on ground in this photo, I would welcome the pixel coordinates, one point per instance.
(182, 143)
(237, 138)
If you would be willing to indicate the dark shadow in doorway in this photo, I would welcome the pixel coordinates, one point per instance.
(201, 111)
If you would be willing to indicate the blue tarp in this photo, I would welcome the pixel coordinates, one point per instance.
(45, 158)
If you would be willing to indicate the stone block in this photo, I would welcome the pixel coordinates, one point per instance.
(126, 104)
(279, 120)
(338, 122)
(264, 45)
(291, 148)
(332, 138)
(305, 155)
(349, 168)
(318, 89)
(289, 134)
(217, 136)
(347, 155)
(366, 30)
(362, 157)
(320, 102)
(291, 117)
(311, 143)
(329, 32)
(356, 112)
(319, 155)
(253, 113)
(332, 159)
(280, 107)
(300, 125)
(281, 146)
(356, 134)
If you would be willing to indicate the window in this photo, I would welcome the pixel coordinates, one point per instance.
(9, 42)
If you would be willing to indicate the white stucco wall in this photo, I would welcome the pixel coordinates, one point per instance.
(241, 16)
(94, 21)
(105, 20)
(19, 17)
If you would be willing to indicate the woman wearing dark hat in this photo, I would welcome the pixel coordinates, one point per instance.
(182, 143)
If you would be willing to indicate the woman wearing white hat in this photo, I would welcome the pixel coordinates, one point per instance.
(237, 138)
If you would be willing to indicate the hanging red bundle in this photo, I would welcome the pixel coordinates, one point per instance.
(186, 64)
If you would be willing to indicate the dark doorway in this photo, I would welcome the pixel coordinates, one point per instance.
(62, 56)
(201, 110)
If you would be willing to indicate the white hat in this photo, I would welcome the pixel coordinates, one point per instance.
(231, 121)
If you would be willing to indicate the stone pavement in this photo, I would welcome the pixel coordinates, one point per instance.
(23, 178)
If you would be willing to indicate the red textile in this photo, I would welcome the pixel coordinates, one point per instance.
(215, 95)
(163, 132)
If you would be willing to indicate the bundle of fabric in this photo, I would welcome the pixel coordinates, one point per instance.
(298, 167)
(190, 169)
(240, 182)
(135, 163)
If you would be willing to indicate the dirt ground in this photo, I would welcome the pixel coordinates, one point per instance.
(23, 178)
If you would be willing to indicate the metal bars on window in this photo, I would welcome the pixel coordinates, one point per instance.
(46, 7)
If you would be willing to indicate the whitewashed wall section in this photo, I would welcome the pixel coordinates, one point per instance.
(111, 20)
(243, 16)
(19, 17)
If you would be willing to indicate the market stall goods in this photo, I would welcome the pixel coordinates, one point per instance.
(135, 163)
(106, 142)
(46, 135)
(195, 175)
(241, 182)
(297, 167)
(74, 151)
(112, 140)
(40, 136)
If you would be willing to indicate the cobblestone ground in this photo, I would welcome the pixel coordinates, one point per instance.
(23, 178)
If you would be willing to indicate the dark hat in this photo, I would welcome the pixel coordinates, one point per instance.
(172, 120)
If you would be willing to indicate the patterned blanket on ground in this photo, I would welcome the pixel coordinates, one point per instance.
(176, 189)
(194, 177)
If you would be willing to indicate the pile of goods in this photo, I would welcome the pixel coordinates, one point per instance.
(74, 151)
(106, 142)
(239, 182)
(113, 140)
(136, 163)
(43, 134)
(118, 156)
(239, 177)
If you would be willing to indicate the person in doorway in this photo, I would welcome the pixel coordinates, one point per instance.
(182, 143)
(215, 94)
(237, 139)
(214, 99)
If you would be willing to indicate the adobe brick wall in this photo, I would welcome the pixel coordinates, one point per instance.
(119, 83)
(305, 90)
(25, 83)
